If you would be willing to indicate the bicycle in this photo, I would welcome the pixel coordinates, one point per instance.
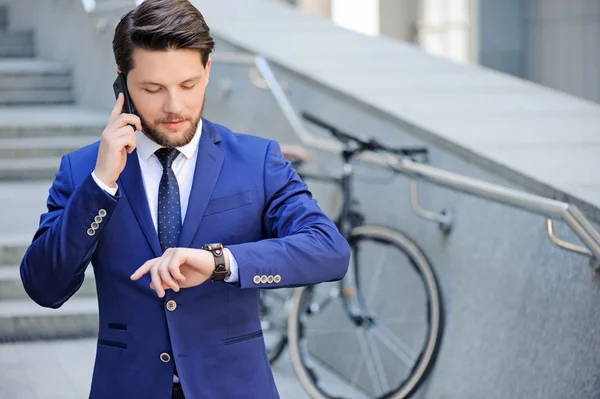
(273, 308)
(313, 307)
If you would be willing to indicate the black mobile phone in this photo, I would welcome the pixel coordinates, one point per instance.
(120, 86)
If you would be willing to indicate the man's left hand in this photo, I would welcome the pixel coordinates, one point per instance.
(177, 268)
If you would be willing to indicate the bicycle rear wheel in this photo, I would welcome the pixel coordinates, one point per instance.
(273, 308)
(386, 345)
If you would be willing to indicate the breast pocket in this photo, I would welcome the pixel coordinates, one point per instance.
(231, 215)
(228, 203)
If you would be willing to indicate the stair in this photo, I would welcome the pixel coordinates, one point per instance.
(3, 18)
(30, 81)
(11, 287)
(39, 122)
(18, 44)
(22, 319)
(41, 147)
(33, 138)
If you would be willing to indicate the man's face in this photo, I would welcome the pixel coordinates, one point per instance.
(167, 89)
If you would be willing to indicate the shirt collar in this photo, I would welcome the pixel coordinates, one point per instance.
(146, 147)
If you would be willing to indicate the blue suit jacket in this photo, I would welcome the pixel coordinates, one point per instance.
(244, 195)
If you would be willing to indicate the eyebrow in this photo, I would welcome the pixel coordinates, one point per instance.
(148, 82)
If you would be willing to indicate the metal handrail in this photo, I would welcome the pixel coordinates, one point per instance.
(567, 212)
(550, 208)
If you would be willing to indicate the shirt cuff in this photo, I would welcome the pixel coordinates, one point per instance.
(111, 190)
(233, 268)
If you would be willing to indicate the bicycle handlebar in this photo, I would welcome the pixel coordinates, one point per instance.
(372, 144)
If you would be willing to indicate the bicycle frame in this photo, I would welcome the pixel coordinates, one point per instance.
(347, 219)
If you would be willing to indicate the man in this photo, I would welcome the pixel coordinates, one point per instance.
(177, 317)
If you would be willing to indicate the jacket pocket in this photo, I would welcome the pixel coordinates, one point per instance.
(113, 344)
(241, 338)
(117, 326)
(228, 202)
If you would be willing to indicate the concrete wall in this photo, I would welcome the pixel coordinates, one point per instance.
(521, 314)
(65, 32)
(564, 46)
(503, 36)
(552, 42)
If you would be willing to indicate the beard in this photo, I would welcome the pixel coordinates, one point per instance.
(169, 140)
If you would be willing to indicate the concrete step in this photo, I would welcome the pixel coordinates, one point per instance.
(13, 247)
(22, 205)
(3, 17)
(16, 44)
(32, 66)
(51, 121)
(28, 169)
(33, 81)
(11, 287)
(42, 147)
(36, 97)
(25, 320)
(33, 74)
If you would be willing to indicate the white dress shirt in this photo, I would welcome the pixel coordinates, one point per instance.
(183, 166)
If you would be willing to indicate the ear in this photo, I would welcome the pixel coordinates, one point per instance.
(207, 69)
(118, 71)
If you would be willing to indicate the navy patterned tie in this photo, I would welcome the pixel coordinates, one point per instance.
(169, 207)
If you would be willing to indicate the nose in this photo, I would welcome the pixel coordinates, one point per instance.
(173, 105)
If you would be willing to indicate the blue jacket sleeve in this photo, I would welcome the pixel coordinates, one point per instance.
(303, 246)
(53, 266)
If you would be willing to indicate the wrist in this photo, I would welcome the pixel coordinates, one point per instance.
(220, 261)
(104, 180)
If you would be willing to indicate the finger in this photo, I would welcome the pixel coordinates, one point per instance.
(156, 281)
(176, 273)
(145, 268)
(163, 270)
(127, 119)
(132, 144)
(118, 108)
(174, 266)
(126, 141)
(126, 130)
(164, 286)
(167, 279)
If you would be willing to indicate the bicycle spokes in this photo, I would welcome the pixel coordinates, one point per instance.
(366, 339)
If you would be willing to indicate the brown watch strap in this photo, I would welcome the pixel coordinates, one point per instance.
(220, 273)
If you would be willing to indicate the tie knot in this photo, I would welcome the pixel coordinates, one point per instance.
(166, 156)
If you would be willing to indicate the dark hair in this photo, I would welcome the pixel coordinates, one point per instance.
(161, 25)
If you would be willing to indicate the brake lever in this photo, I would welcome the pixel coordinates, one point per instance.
(418, 154)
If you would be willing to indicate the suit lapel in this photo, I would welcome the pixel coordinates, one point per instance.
(208, 166)
(132, 184)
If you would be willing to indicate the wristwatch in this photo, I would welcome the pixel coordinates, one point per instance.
(221, 272)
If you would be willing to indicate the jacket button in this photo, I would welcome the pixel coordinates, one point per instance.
(165, 357)
(95, 225)
(102, 213)
(277, 278)
(270, 279)
(91, 232)
(171, 305)
(256, 279)
(98, 219)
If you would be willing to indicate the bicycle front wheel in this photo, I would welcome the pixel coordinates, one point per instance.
(379, 335)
